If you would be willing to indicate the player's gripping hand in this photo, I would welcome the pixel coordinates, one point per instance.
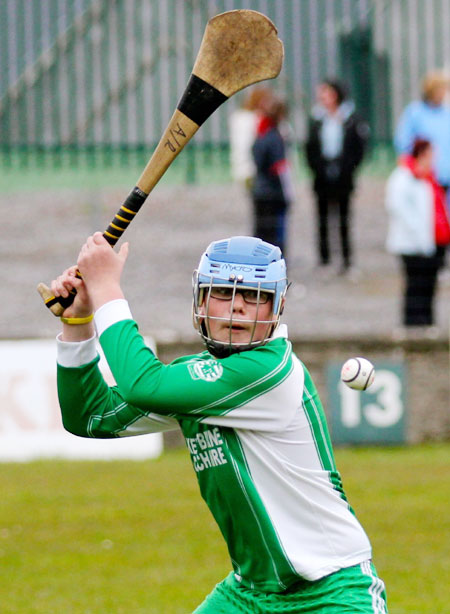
(101, 268)
(62, 285)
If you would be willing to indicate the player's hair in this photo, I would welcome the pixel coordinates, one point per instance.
(255, 97)
(432, 82)
(419, 146)
(240, 263)
(276, 108)
(338, 87)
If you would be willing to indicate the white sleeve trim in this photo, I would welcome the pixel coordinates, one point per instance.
(75, 353)
(110, 313)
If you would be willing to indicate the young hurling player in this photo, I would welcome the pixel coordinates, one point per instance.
(251, 416)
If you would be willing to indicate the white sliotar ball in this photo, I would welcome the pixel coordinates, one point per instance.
(358, 373)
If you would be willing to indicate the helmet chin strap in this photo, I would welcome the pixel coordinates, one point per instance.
(221, 349)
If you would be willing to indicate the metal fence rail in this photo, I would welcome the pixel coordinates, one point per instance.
(97, 80)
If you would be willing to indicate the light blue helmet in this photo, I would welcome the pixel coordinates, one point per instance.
(242, 263)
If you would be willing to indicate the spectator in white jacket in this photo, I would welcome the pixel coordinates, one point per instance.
(418, 231)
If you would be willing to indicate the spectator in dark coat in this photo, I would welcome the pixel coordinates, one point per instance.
(335, 146)
(272, 189)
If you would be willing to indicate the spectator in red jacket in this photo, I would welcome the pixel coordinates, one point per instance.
(418, 232)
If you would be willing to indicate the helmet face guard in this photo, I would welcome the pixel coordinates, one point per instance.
(247, 265)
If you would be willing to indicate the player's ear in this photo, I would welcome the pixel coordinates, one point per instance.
(197, 315)
(198, 309)
(202, 295)
(283, 299)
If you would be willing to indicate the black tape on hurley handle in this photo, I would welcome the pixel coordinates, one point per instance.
(120, 222)
(125, 215)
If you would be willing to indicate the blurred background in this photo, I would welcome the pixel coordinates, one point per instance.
(88, 82)
(87, 88)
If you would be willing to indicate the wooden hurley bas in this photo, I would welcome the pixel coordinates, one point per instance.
(239, 48)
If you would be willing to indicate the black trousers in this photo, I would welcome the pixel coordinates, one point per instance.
(326, 208)
(269, 222)
(420, 287)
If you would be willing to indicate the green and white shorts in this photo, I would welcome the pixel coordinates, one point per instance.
(354, 590)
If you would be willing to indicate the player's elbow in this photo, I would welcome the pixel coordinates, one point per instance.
(92, 430)
(74, 427)
(82, 425)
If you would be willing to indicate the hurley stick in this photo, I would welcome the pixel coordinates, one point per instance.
(238, 48)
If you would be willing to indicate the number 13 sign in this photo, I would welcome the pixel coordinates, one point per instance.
(375, 416)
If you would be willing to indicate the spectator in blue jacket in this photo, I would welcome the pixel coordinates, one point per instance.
(428, 118)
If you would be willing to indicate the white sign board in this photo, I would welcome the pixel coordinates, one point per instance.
(30, 419)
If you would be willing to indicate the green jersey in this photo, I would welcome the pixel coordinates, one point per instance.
(257, 436)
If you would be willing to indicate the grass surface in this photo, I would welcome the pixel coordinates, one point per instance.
(135, 537)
